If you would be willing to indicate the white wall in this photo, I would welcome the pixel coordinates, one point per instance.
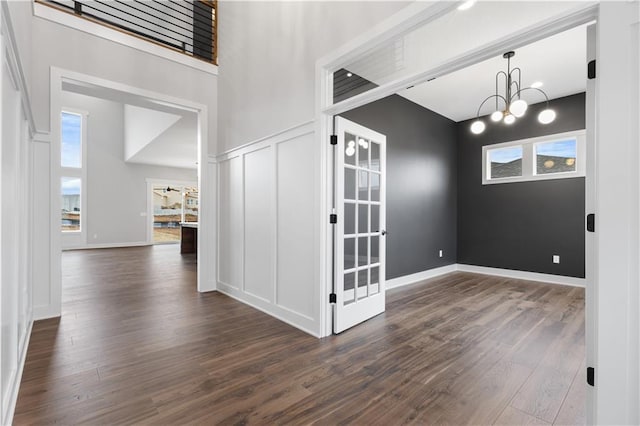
(267, 56)
(15, 218)
(74, 50)
(59, 47)
(116, 190)
(268, 246)
(267, 215)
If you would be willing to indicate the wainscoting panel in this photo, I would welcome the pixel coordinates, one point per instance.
(258, 229)
(295, 224)
(230, 225)
(266, 198)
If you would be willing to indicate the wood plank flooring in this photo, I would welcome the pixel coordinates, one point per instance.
(137, 344)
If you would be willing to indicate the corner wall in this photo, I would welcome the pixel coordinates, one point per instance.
(421, 183)
(521, 225)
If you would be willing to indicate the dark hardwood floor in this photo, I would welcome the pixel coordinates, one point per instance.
(137, 344)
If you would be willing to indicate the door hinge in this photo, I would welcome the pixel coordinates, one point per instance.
(591, 222)
(333, 140)
(332, 298)
(333, 218)
(591, 70)
(591, 376)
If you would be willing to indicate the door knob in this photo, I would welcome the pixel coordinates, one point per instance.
(383, 232)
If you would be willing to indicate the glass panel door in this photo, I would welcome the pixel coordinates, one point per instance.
(360, 231)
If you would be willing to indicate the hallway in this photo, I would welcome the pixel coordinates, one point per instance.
(137, 344)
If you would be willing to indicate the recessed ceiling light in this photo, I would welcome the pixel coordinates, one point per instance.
(467, 5)
(537, 84)
(349, 74)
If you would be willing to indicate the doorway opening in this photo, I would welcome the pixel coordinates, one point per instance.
(382, 83)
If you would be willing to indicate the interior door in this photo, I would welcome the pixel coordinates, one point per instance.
(360, 227)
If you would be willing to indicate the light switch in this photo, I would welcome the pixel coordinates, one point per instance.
(556, 258)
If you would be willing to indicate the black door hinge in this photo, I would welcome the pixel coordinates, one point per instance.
(332, 298)
(333, 218)
(333, 140)
(591, 376)
(77, 8)
(591, 70)
(591, 222)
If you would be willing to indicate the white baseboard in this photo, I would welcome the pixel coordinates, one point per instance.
(498, 272)
(268, 308)
(15, 386)
(419, 276)
(111, 245)
(523, 275)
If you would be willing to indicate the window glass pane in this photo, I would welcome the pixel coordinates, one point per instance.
(70, 188)
(363, 218)
(71, 140)
(349, 287)
(363, 252)
(167, 213)
(375, 286)
(349, 218)
(349, 149)
(375, 249)
(363, 153)
(349, 253)
(363, 185)
(556, 157)
(375, 187)
(375, 156)
(505, 162)
(349, 184)
(375, 218)
(190, 204)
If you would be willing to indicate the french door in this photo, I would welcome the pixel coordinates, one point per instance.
(360, 228)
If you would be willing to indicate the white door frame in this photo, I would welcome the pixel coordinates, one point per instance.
(206, 183)
(599, 410)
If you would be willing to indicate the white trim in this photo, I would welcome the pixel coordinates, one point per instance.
(13, 54)
(17, 379)
(274, 138)
(205, 249)
(496, 272)
(420, 276)
(95, 29)
(529, 158)
(109, 245)
(580, 15)
(523, 275)
(272, 310)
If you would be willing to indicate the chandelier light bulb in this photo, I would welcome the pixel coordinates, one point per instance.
(509, 119)
(546, 116)
(352, 143)
(497, 116)
(518, 108)
(477, 127)
(350, 151)
(363, 143)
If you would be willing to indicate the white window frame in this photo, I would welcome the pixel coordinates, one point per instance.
(529, 158)
(76, 238)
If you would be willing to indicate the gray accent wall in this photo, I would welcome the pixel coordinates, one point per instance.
(521, 225)
(421, 183)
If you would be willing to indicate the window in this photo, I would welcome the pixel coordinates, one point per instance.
(172, 205)
(72, 162)
(548, 157)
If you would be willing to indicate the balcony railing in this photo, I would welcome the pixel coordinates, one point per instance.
(189, 26)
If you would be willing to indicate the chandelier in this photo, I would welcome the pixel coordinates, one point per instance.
(514, 105)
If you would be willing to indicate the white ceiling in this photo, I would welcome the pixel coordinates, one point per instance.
(559, 62)
(155, 133)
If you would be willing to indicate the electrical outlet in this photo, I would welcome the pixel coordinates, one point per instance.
(440, 253)
(556, 258)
